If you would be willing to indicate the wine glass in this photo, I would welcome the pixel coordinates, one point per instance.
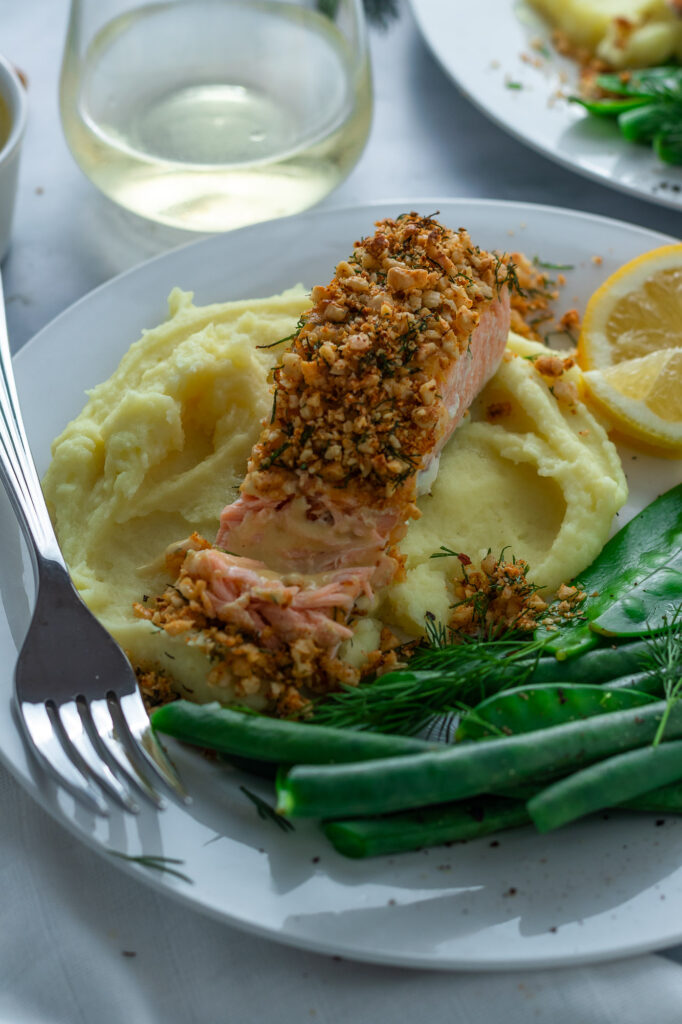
(212, 114)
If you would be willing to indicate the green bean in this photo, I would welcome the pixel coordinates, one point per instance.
(638, 556)
(643, 682)
(467, 769)
(528, 708)
(618, 778)
(397, 833)
(664, 800)
(464, 820)
(269, 739)
(594, 666)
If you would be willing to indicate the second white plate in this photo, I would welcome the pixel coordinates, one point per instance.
(486, 48)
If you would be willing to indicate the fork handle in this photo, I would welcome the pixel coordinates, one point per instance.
(17, 469)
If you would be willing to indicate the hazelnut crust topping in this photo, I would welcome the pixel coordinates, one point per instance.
(355, 403)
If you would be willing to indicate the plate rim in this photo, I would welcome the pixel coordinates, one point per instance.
(160, 883)
(261, 226)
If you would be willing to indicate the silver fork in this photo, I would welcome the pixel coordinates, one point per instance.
(75, 691)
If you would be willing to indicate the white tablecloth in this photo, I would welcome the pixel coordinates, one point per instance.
(83, 942)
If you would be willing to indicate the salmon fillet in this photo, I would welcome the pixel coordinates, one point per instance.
(379, 373)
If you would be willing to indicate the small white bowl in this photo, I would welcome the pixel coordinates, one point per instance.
(14, 95)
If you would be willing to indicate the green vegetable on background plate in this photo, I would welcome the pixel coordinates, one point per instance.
(647, 107)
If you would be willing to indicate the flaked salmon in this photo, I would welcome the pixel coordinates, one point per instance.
(379, 373)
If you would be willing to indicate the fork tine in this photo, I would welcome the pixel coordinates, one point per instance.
(105, 733)
(136, 720)
(93, 764)
(48, 747)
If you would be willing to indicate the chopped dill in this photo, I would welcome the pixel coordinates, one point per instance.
(437, 633)
(511, 278)
(269, 460)
(444, 552)
(281, 341)
(552, 266)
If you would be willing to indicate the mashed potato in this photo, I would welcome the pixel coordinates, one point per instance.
(162, 446)
(624, 33)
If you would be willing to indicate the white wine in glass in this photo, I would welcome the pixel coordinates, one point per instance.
(211, 114)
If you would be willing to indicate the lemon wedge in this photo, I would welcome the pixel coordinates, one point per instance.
(630, 350)
(642, 398)
(636, 311)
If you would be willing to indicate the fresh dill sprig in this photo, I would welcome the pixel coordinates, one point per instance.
(511, 277)
(439, 679)
(437, 633)
(156, 862)
(274, 344)
(444, 552)
(503, 652)
(266, 812)
(664, 659)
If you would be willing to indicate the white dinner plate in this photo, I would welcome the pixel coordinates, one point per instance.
(486, 48)
(595, 890)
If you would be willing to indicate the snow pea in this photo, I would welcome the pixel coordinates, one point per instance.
(629, 585)
(646, 607)
(527, 708)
